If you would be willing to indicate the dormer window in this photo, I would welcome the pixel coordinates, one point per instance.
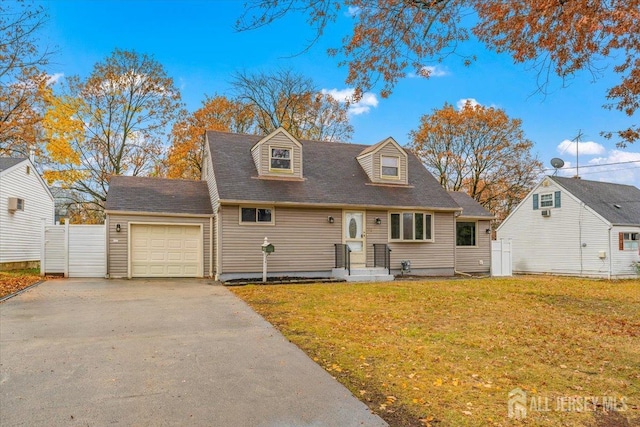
(390, 167)
(280, 159)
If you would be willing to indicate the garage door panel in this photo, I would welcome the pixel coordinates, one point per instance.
(166, 251)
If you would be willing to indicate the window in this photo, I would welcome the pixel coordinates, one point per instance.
(465, 234)
(629, 241)
(280, 159)
(390, 167)
(256, 215)
(20, 205)
(410, 226)
(546, 200)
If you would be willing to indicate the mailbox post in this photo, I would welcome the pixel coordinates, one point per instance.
(267, 249)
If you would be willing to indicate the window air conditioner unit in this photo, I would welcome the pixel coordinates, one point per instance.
(13, 204)
(546, 213)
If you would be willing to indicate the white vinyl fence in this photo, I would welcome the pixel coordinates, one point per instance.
(74, 250)
(501, 262)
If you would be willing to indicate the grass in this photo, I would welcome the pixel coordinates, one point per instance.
(447, 352)
(16, 280)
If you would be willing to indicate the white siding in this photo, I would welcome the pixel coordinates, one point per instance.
(621, 261)
(20, 231)
(567, 242)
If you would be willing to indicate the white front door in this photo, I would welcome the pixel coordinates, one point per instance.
(355, 236)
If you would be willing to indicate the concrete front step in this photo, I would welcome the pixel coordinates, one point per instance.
(369, 274)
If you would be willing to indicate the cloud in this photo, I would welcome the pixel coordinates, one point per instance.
(622, 167)
(352, 11)
(463, 102)
(368, 100)
(54, 78)
(587, 148)
(430, 71)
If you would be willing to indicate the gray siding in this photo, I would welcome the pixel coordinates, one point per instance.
(282, 141)
(468, 257)
(303, 239)
(117, 242)
(371, 164)
(438, 254)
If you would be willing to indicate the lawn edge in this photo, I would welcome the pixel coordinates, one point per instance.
(15, 294)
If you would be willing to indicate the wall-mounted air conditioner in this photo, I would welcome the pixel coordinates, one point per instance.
(546, 213)
(15, 204)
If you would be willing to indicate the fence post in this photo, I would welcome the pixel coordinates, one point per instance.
(43, 250)
(66, 247)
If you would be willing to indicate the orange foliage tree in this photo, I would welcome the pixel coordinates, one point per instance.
(184, 159)
(21, 77)
(478, 150)
(558, 37)
(112, 123)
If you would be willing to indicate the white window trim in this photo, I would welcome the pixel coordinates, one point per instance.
(401, 240)
(553, 200)
(476, 232)
(278, 170)
(256, 223)
(396, 177)
(625, 240)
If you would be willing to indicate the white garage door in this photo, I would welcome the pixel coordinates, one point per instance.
(166, 250)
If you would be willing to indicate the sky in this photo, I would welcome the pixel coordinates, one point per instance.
(196, 43)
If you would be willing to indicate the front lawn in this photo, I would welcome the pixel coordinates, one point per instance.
(448, 352)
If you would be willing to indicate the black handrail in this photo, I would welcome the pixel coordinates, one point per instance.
(343, 257)
(382, 256)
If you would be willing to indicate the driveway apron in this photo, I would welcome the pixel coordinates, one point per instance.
(95, 352)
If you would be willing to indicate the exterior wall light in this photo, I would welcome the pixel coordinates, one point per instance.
(488, 231)
(330, 219)
(378, 221)
(118, 228)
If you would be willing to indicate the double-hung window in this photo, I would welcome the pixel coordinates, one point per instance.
(390, 167)
(280, 159)
(546, 200)
(629, 241)
(410, 226)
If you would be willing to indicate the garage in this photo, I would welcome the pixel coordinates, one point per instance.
(163, 250)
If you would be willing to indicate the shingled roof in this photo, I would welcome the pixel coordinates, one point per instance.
(141, 194)
(9, 162)
(332, 176)
(470, 208)
(619, 204)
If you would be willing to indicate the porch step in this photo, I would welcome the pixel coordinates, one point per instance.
(365, 274)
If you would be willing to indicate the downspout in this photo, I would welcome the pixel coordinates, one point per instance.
(610, 256)
(107, 249)
(218, 244)
(211, 246)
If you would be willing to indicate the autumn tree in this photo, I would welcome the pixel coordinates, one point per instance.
(561, 37)
(22, 76)
(184, 159)
(478, 150)
(111, 123)
(291, 100)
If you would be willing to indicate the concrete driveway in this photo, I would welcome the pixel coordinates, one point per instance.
(95, 352)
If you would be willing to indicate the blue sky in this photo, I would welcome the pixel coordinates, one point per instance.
(196, 43)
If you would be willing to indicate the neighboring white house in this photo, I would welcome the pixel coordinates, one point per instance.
(25, 204)
(572, 226)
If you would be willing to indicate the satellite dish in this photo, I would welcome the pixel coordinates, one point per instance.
(557, 163)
